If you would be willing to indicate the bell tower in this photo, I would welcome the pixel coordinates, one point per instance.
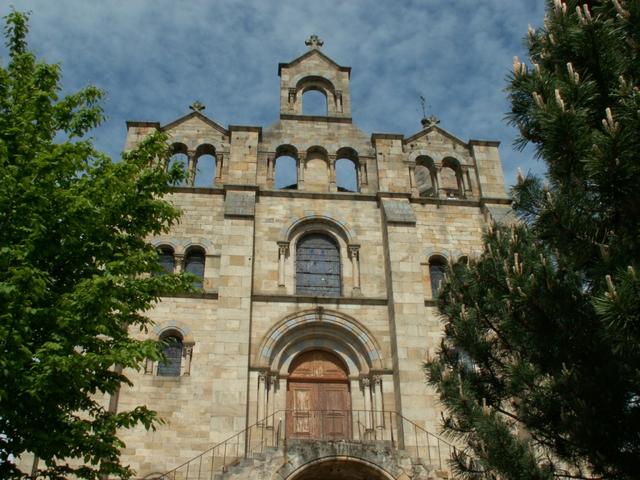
(314, 71)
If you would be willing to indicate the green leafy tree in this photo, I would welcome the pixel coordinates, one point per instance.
(539, 367)
(74, 271)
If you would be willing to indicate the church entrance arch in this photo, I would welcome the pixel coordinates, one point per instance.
(340, 468)
(318, 397)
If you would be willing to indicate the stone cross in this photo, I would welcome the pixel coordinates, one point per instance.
(313, 42)
(197, 106)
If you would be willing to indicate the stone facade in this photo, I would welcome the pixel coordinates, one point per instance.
(418, 200)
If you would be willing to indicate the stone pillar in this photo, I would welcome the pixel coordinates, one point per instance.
(365, 385)
(362, 175)
(187, 353)
(191, 167)
(179, 259)
(232, 335)
(412, 180)
(270, 171)
(409, 322)
(354, 254)
(283, 253)
(376, 401)
(261, 396)
(332, 174)
(219, 162)
(301, 162)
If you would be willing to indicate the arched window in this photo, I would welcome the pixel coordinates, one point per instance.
(166, 260)
(437, 267)
(451, 178)
(318, 266)
(286, 173)
(194, 264)
(179, 157)
(205, 167)
(426, 178)
(172, 350)
(347, 170)
(346, 175)
(314, 102)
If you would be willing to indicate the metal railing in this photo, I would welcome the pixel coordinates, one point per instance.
(283, 428)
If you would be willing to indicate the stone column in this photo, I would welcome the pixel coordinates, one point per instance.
(179, 262)
(191, 167)
(270, 171)
(365, 385)
(187, 353)
(301, 162)
(332, 174)
(219, 162)
(412, 180)
(261, 396)
(362, 174)
(376, 401)
(283, 253)
(354, 254)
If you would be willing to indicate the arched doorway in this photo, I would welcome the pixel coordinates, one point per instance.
(318, 397)
(339, 469)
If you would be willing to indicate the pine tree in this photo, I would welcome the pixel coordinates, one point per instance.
(74, 265)
(539, 368)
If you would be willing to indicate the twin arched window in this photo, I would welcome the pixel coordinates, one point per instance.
(318, 270)
(200, 167)
(194, 262)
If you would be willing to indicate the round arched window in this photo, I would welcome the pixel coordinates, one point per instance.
(172, 349)
(318, 266)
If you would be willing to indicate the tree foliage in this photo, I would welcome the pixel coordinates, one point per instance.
(539, 368)
(74, 268)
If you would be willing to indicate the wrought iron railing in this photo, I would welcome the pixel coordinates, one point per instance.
(283, 428)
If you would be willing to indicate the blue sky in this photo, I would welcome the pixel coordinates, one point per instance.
(155, 57)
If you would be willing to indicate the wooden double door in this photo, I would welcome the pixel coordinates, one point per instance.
(318, 397)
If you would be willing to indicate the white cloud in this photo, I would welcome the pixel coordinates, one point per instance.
(155, 57)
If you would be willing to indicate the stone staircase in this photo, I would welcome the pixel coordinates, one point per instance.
(390, 446)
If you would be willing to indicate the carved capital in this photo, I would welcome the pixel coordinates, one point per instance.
(365, 382)
(283, 249)
(354, 251)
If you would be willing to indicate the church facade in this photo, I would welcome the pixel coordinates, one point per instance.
(319, 250)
